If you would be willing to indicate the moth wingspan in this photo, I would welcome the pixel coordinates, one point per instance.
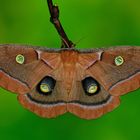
(85, 84)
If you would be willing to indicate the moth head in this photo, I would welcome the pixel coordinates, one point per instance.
(90, 86)
(46, 85)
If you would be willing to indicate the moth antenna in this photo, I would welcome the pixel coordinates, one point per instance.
(54, 12)
(81, 39)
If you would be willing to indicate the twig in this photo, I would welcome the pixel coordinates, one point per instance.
(54, 12)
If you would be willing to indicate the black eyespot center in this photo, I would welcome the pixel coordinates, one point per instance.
(46, 85)
(90, 86)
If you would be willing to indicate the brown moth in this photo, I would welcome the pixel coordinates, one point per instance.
(85, 83)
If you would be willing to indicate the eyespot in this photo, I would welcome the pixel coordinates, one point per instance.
(44, 88)
(20, 59)
(119, 60)
(90, 86)
(46, 85)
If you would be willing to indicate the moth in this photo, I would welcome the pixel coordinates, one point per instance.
(52, 82)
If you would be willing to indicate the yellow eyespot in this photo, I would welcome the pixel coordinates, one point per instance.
(92, 88)
(20, 59)
(119, 60)
(44, 88)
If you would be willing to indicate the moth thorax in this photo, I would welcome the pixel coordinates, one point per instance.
(69, 56)
(68, 76)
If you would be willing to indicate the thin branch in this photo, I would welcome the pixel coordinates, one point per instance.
(54, 12)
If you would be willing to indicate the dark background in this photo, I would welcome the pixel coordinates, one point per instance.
(96, 23)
